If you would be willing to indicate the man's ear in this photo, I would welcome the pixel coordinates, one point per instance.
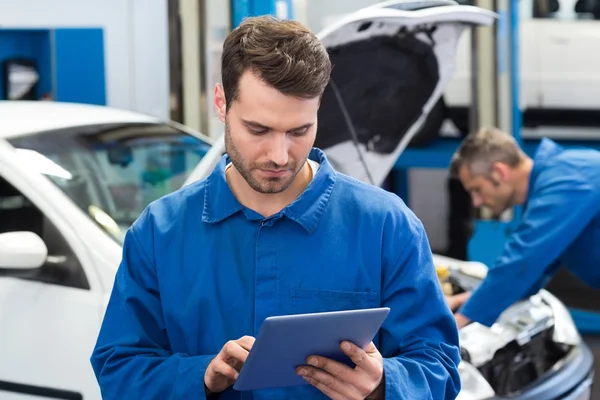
(220, 102)
(500, 171)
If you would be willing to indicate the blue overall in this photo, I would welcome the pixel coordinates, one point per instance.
(200, 269)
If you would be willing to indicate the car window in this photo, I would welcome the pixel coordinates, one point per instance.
(113, 172)
(18, 213)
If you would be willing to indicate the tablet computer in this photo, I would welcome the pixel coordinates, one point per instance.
(285, 342)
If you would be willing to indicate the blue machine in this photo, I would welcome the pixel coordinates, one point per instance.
(58, 64)
(241, 9)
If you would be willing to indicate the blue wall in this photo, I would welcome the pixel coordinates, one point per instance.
(80, 75)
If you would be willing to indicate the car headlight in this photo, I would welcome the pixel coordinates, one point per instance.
(565, 330)
(473, 385)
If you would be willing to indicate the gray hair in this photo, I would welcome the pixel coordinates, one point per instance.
(481, 149)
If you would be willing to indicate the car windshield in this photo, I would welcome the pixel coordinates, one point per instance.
(112, 172)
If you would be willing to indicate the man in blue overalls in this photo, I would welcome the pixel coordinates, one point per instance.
(560, 191)
(274, 230)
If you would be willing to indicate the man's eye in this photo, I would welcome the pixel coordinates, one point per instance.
(300, 132)
(258, 132)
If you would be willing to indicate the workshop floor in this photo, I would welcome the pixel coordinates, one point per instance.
(594, 343)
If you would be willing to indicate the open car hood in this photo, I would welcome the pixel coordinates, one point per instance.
(391, 64)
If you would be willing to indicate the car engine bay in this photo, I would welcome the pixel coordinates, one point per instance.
(519, 349)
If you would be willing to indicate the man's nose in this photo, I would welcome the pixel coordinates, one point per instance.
(278, 152)
(477, 201)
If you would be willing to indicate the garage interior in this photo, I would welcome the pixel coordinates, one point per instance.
(530, 73)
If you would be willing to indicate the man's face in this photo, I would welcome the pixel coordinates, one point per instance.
(268, 135)
(491, 190)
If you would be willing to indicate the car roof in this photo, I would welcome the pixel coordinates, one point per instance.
(19, 118)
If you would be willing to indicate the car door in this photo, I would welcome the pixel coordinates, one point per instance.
(49, 319)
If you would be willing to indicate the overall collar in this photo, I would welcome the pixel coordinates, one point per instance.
(220, 202)
(545, 151)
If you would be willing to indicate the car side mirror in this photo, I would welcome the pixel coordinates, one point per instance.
(21, 253)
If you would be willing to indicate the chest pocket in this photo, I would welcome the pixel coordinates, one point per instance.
(317, 300)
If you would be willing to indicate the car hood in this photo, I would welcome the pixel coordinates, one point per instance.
(391, 63)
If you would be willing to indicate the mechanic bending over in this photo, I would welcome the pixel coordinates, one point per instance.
(560, 191)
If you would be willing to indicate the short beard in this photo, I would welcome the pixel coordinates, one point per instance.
(268, 186)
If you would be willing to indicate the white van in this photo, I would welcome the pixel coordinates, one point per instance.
(559, 70)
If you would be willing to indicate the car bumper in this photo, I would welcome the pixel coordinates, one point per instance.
(583, 391)
(572, 381)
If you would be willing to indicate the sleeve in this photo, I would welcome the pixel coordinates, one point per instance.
(543, 281)
(419, 339)
(557, 213)
(132, 357)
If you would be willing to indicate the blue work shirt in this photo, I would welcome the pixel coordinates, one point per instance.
(200, 269)
(560, 226)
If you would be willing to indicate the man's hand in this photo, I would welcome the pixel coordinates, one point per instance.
(224, 369)
(457, 300)
(338, 381)
(461, 320)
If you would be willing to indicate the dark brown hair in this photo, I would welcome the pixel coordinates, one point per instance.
(285, 54)
(480, 149)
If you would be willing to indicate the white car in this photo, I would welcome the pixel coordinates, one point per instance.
(74, 177)
(72, 180)
(559, 75)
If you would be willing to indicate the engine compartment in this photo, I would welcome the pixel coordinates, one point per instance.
(515, 367)
(518, 350)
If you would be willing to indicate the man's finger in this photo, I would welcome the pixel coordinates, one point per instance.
(246, 342)
(336, 369)
(359, 356)
(457, 300)
(222, 368)
(328, 384)
(371, 349)
(461, 320)
(235, 351)
(234, 363)
(369, 361)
